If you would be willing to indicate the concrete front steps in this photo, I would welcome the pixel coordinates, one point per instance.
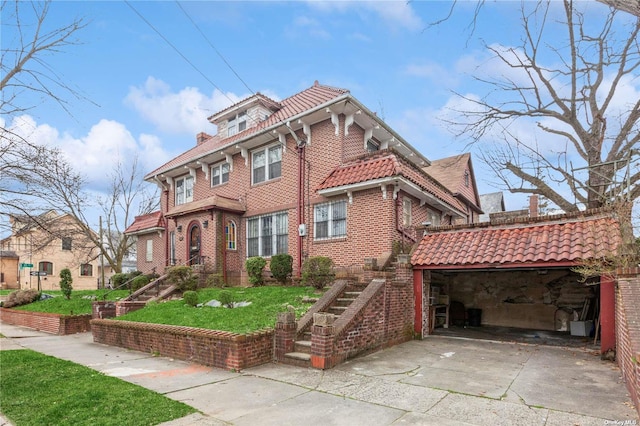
(301, 356)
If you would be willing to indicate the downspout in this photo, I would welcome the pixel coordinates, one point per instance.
(166, 231)
(223, 239)
(300, 204)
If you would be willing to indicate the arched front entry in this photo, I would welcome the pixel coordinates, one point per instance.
(194, 245)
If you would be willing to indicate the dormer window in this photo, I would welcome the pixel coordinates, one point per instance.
(372, 146)
(237, 124)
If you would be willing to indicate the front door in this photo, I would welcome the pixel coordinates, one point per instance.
(194, 245)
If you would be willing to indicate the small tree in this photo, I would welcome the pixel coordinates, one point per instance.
(318, 272)
(281, 267)
(65, 282)
(255, 266)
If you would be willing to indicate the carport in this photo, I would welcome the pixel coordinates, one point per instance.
(517, 274)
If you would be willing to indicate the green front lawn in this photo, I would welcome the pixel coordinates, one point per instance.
(266, 302)
(79, 304)
(38, 389)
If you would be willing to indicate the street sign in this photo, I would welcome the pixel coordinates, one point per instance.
(38, 273)
(26, 265)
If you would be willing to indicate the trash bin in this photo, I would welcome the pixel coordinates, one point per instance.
(475, 317)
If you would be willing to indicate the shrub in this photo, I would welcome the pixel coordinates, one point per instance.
(226, 298)
(183, 278)
(317, 271)
(139, 282)
(65, 282)
(281, 267)
(215, 280)
(21, 297)
(254, 266)
(190, 297)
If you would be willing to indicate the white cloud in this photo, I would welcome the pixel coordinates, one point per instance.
(96, 154)
(395, 13)
(183, 112)
(433, 72)
(306, 25)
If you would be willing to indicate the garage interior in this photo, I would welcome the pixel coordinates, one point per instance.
(549, 306)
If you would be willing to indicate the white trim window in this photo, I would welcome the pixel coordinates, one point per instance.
(184, 190)
(330, 220)
(406, 212)
(266, 164)
(268, 234)
(237, 124)
(219, 174)
(149, 253)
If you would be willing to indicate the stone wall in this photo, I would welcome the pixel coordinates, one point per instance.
(628, 331)
(49, 323)
(220, 349)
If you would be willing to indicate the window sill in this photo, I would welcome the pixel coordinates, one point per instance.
(330, 239)
(266, 182)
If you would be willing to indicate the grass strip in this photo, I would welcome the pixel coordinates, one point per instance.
(266, 302)
(37, 389)
(79, 304)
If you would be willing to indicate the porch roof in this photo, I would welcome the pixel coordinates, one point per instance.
(146, 223)
(559, 240)
(210, 203)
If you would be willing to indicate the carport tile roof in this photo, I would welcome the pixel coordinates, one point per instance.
(565, 239)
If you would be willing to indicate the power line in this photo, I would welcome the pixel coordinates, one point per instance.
(214, 48)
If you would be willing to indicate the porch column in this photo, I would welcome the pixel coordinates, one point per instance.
(607, 314)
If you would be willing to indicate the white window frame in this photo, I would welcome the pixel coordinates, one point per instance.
(221, 171)
(268, 174)
(185, 194)
(406, 212)
(149, 253)
(336, 226)
(237, 124)
(269, 244)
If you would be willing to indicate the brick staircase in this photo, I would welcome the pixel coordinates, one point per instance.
(301, 356)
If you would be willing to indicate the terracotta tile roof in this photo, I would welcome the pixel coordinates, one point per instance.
(259, 97)
(312, 97)
(146, 222)
(385, 164)
(564, 239)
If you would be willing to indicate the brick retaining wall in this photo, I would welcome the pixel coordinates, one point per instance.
(49, 323)
(220, 349)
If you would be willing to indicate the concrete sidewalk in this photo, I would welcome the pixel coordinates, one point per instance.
(437, 381)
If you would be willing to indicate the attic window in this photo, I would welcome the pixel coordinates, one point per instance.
(466, 178)
(237, 124)
(372, 146)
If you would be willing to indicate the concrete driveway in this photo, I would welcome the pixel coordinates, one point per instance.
(437, 381)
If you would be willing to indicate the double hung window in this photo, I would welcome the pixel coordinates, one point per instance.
(86, 270)
(237, 124)
(219, 174)
(184, 190)
(266, 163)
(330, 220)
(268, 235)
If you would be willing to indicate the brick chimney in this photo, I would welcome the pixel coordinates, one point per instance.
(201, 137)
(533, 206)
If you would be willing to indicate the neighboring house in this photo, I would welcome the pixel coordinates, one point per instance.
(51, 242)
(9, 270)
(316, 174)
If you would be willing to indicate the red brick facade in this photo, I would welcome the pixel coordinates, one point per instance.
(49, 323)
(628, 331)
(332, 137)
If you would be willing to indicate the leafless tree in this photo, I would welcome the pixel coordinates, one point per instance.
(34, 178)
(571, 89)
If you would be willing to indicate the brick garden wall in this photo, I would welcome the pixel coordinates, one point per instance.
(49, 323)
(207, 347)
(628, 331)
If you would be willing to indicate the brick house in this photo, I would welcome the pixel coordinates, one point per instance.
(51, 242)
(316, 174)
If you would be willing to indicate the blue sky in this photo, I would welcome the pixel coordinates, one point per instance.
(144, 98)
